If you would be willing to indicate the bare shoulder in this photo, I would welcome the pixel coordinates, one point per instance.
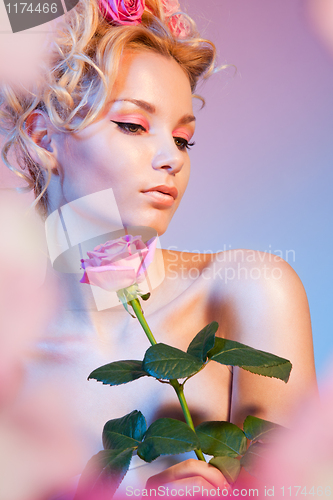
(244, 270)
(264, 305)
(246, 287)
(267, 296)
(235, 270)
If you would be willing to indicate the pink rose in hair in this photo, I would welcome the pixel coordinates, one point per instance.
(119, 263)
(180, 26)
(170, 7)
(122, 12)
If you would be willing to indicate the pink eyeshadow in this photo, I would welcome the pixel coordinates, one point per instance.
(137, 119)
(182, 132)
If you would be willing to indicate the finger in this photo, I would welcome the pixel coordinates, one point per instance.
(187, 469)
(196, 486)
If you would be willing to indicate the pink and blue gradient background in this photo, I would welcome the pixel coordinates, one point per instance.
(261, 166)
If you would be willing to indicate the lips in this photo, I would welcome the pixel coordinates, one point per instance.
(163, 196)
(168, 190)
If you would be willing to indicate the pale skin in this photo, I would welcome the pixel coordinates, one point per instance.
(267, 309)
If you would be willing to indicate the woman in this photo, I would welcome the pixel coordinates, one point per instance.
(115, 111)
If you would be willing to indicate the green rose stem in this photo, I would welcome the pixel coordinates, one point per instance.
(179, 388)
(135, 303)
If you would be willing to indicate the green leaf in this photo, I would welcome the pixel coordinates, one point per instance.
(221, 438)
(166, 362)
(125, 432)
(119, 372)
(103, 474)
(253, 458)
(229, 352)
(167, 436)
(257, 429)
(281, 371)
(203, 342)
(230, 467)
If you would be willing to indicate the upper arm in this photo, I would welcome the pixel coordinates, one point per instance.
(268, 310)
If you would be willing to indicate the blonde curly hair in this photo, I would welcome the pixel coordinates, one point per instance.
(82, 69)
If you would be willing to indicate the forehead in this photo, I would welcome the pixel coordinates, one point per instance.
(153, 78)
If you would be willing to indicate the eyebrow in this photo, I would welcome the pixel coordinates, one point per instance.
(150, 108)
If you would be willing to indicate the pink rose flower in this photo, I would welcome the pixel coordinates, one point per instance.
(119, 263)
(122, 11)
(180, 26)
(170, 7)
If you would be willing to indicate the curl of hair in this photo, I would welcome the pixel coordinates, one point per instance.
(76, 85)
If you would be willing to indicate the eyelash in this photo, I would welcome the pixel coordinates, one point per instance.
(184, 144)
(126, 126)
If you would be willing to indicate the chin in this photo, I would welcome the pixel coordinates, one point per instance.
(160, 229)
(158, 223)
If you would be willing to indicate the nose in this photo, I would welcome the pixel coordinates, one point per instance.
(168, 157)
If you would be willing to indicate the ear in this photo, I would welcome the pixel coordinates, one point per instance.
(40, 130)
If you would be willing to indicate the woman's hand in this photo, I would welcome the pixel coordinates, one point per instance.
(190, 478)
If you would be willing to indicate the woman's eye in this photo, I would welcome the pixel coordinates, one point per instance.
(130, 128)
(182, 143)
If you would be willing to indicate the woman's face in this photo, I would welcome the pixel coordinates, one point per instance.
(139, 147)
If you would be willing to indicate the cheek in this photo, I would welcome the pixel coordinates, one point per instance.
(83, 176)
(91, 166)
